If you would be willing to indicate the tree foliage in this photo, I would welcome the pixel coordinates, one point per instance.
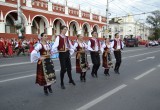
(154, 21)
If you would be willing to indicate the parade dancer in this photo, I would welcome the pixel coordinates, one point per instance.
(117, 46)
(81, 57)
(65, 48)
(45, 69)
(106, 56)
(94, 48)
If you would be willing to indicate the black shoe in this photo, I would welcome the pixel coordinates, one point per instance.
(118, 72)
(45, 91)
(92, 74)
(81, 78)
(84, 79)
(50, 89)
(72, 82)
(96, 75)
(107, 74)
(62, 86)
(115, 70)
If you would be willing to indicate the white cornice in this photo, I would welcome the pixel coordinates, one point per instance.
(48, 12)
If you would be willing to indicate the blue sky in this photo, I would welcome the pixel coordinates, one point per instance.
(116, 7)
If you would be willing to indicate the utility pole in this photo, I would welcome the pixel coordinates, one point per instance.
(107, 23)
(19, 23)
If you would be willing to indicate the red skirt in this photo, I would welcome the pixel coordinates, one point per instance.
(40, 79)
(105, 60)
(81, 59)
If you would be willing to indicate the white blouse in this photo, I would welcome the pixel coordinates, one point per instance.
(83, 45)
(35, 54)
(104, 46)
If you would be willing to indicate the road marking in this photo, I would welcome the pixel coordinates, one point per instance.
(141, 54)
(101, 98)
(146, 58)
(16, 78)
(146, 73)
(133, 50)
(158, 65)
(17, 73)
(14, 64)
(22, 77)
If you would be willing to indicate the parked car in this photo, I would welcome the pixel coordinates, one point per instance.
(131, 42)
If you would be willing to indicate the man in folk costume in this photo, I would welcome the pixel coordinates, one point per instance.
(117, 46)
(94, 48)
(45, 68)
(64, 46)
(106, 56)
(81, 57)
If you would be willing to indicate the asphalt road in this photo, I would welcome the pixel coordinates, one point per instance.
(136, 88)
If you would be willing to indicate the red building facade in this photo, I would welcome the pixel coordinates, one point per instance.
(40, 16)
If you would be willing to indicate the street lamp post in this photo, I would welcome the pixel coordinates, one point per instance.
(107, 23)
(19, 22)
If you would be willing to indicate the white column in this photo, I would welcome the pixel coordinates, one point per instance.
(2, 27)
(80, 31)
(49, 30)
(66, 10)
(90, 34)
(50, 6)
(100, 18)
(91, 16)
(100, 33)
(28, 29)
(80, 13)
(29, 3)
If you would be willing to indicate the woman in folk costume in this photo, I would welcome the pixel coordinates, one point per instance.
(45, 69)
(106, 56)
(81, 57)
(31, 45)
(10, 48)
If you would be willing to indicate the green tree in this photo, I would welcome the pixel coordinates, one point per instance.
(154, 20)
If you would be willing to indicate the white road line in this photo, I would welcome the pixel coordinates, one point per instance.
(16, 78)
(133, 50)
(22, 77)
(101, 98)
(17, 73)
(142, 75)
(158, 65)
(141, 54)
(14, 64)
(147, 58)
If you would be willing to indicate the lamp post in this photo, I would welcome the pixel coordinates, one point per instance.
(107, 16)
(19, 26)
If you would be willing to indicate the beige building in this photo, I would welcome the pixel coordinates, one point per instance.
(128, 26)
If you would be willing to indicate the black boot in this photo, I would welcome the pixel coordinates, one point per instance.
(107, 72)
(71, 81)
(45, 90)
(81, 78)
(84, 77)
(50, 89)
(62, 86)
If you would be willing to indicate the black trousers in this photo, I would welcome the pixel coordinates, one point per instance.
(117, 55)
(95, 57)
(65, 63)
(20, 50)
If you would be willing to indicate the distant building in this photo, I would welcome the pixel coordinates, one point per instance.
(40, 16)
(128, 26)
